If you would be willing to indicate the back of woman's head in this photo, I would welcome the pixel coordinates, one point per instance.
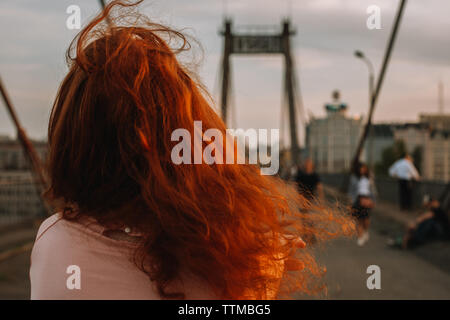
(110, 158)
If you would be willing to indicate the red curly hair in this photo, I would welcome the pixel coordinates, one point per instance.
(110, 159)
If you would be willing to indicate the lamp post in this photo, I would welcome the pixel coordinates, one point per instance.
(377, 88)
(359, 54)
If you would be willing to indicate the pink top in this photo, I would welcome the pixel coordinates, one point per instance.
(71, 260)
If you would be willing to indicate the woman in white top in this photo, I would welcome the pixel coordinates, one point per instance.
(362, 193)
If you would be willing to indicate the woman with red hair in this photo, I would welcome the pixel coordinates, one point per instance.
(131, 224)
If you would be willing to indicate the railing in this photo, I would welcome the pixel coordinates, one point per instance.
(387, 188)
(19, 202)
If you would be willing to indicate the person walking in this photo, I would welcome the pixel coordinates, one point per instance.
(362, 194)
(406, 173)
(308, 181)
(310, 187)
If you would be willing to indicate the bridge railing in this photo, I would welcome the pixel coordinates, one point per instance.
(19, 200)
(387, 188)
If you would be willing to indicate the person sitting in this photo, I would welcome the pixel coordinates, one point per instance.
(433, 224)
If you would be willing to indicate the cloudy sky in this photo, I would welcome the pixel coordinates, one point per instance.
(34, 37)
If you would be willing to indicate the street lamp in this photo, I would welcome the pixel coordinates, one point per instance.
(359, 54)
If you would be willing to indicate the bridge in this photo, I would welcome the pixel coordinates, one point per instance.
(422, 273)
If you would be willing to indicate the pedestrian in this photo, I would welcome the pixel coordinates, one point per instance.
(433, 224)
(362, 194)
(308, 181)
(310, 187)
(406, 173)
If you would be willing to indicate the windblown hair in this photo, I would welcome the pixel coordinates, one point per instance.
(110, 159)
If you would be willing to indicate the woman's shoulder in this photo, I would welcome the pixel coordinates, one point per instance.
(62, 245)
(68, 236)
(59, 231)
(55, 237)
(52, 253)
(105, 268)
(51, 223)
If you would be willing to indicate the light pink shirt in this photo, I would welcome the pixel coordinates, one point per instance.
(107, 270)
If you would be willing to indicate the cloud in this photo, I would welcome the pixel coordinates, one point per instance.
(34, 40)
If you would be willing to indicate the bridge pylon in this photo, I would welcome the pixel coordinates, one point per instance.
(262, 40)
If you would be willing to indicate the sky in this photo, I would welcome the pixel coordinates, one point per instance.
(34, 38)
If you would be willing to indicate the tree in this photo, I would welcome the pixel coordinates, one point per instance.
(389, 156)
(417, 158)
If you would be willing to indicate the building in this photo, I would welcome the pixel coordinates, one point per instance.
(439, 121)
(415, 135)
(331, 141)
(436, 156)
(436, 151)
(12, 156)
(430, 137)
(381, 136)
(19, 197)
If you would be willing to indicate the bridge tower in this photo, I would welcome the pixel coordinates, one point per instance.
(262, 42)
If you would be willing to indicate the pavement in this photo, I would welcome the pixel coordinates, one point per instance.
(404, 274)
(423, 273)
(14, 280)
